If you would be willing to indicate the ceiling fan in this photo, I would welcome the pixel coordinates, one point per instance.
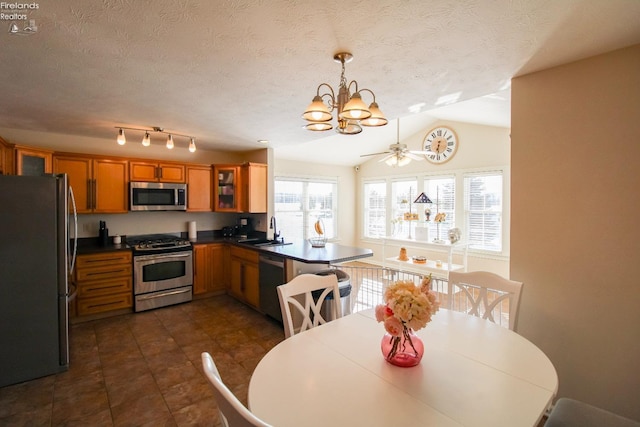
(398, 154)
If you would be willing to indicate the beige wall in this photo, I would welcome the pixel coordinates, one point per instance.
(575, 240)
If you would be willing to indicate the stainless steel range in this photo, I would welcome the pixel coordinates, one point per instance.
(162, 271)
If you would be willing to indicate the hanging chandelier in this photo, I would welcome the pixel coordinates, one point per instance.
(352, 112)
(146, 140)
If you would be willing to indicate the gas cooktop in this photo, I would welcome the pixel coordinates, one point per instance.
(158, 243)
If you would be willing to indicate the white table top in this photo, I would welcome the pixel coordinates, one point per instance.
(473, 373)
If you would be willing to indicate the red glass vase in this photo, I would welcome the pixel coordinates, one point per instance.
(405, 351)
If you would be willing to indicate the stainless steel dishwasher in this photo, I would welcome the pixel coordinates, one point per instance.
(272, 275)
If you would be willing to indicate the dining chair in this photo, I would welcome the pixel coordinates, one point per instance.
(486, 295)
(306, 293)
(574, 413)
(232, 412)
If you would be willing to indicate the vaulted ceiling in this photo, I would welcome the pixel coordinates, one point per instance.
(234, 72)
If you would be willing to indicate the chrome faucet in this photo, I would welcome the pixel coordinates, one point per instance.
(273, 227)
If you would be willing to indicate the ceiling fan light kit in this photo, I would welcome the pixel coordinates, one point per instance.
(352, 112)
(398, 154)
(146, 140)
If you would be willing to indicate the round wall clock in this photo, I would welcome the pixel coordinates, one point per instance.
(441, 144)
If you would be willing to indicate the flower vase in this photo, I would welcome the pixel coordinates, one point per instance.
(405, 350)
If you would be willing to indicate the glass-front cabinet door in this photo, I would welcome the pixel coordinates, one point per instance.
(32, 161)
(227, 188)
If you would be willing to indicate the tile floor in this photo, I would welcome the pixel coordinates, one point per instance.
(144, 369)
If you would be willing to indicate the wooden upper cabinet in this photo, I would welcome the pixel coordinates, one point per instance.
(99, 185)
(33, 161)
(156, 172)
(199, 188)
(240, 188)
(227, 188)
(80, 178)
(254, 181)
(111, 180)
(7, 158)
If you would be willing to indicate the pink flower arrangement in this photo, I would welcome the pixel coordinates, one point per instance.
(407, 306)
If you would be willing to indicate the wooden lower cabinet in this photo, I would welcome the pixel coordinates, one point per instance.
(104, 282)
(208, 268)
(245, 275)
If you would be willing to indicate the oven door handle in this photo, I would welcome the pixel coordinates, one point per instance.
(185, 254)
(164, 294)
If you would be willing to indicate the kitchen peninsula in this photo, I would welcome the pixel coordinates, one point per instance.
(302, 251)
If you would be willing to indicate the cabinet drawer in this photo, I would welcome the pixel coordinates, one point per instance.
(102, 259)
(104, 303)
(103, 272)
(106, 287)
(245, 254)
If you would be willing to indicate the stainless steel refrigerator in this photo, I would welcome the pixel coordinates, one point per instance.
(34, 255)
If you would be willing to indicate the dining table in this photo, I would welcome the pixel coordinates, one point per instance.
(473, 373)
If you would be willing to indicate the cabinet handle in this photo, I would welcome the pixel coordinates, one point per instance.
(104, 259)
(242, 287)
(105, 304)
(89, 194)
(95, 191)
(106, 272)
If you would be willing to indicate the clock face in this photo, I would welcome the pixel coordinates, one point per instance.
(441, 143)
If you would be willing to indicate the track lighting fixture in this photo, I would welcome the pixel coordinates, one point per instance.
(121, 138)
(146, 140)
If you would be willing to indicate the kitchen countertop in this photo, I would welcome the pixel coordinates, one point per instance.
(299, 250)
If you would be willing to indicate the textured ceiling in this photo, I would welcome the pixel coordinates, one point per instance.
(236, 71)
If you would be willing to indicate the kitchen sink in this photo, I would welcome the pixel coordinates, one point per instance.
(263, 242)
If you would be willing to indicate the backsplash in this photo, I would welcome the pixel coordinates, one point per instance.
(136, 223)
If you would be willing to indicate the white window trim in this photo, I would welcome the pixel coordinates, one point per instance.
(459, 175)
(320, 179)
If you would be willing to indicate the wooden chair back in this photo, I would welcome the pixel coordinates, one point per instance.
(305, 294)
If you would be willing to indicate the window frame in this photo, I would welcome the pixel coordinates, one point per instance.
(307, 222)
(459, 204)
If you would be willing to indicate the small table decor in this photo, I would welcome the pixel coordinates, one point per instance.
(407, 308)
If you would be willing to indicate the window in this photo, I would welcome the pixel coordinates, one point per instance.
(473, 201)
(299, 202)
(483, 210)
(442, 192)
(403, 193)
(375, 209)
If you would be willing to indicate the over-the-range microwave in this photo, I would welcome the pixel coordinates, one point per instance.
(157, 196)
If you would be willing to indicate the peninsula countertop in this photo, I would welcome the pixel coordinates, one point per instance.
(301, 250)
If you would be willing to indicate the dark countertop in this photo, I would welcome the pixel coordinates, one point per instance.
(302, 251)
(299, 250)
(90, 245)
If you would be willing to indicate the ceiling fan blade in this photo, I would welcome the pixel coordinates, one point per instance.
(373, 154)
(413, 156)
(422, 153)
(388, 156)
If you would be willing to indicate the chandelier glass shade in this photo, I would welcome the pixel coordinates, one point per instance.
(146, 140)
(351, 111)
